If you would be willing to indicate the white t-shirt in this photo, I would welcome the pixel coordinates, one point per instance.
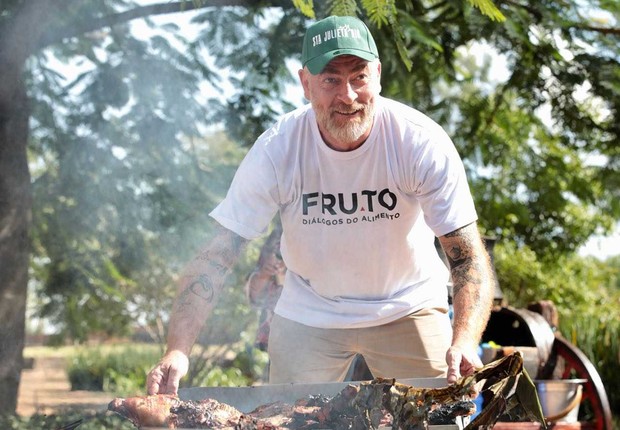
(358, 226)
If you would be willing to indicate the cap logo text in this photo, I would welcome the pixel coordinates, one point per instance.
(342, 31)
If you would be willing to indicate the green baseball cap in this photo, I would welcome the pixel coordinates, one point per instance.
(334, 36)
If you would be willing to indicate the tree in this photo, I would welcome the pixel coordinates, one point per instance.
(101, 132)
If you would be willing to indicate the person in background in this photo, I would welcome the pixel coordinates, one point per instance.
(265, 284)
(362, 185)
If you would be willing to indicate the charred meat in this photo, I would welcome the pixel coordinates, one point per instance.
(146, 411)
(203, 414)
(368, 405)
(353, 408)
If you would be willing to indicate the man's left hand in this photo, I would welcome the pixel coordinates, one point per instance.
(461, 362)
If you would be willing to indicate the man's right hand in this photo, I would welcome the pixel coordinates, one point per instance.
(165, 376)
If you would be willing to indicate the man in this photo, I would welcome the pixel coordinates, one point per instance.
(362, 185)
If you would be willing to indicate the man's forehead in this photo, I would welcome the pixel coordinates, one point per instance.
(347, 62)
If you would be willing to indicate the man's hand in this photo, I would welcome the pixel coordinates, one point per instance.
(165, 376)
(461, 362)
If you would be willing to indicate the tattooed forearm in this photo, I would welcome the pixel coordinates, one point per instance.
(199, 287)
(467, 263)
(472, 282)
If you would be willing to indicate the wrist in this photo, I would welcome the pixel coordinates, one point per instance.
(464, 342)
(177, 352)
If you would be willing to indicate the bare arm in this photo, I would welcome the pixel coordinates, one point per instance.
(199, 288)
(472, 297)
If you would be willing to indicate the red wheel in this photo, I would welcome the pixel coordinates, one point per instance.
(566, 362)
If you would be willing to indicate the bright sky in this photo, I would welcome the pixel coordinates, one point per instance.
(603, 247)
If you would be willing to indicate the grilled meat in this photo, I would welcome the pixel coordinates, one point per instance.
(349, 409)
(208, 413)
(146, 411)
(170, 412)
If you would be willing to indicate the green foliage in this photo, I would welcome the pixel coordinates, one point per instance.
(129, 244)
(386, 13)
(252, 362)
(383, 11)
(247, 368)
(235, 40)
(597, 335)
(121, 370)
(575, 284)
(342, 7)
(123, 179)
(379, 12)
(305, 7)
(488, 9)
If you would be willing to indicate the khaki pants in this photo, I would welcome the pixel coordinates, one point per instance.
(412, 347)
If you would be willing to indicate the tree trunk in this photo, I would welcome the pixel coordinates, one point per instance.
(15, 211)
(18, 40)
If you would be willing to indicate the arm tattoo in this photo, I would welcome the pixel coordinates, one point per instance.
(209, 268)
(202, 287)
(199, 286)
(465, 264)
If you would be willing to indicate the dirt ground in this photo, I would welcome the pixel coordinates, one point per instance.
(45, 389)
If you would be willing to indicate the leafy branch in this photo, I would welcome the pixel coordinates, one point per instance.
(56, 35)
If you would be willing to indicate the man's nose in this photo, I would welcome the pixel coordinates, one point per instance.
(346, 93)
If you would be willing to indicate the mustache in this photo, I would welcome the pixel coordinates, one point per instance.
(348, 109)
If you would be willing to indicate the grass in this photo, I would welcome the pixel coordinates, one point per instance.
(49, 351)
(116, 368)
(119, 369)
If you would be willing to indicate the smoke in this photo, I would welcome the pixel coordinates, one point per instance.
(127, 163)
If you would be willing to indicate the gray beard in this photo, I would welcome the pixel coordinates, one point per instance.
(351, 132)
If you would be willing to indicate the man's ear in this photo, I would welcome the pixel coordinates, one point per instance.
(304, 75)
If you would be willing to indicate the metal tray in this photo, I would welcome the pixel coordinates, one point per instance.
(246, 399)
